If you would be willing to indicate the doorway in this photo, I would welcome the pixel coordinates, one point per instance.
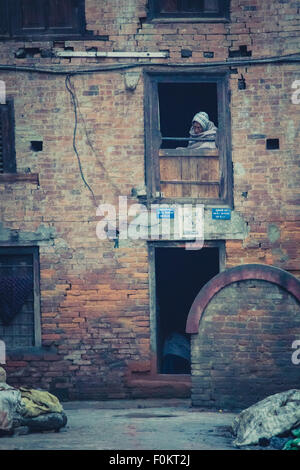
(179, 275)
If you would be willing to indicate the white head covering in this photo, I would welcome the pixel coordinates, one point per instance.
(203, 119)
(2, 375)
(207, 138)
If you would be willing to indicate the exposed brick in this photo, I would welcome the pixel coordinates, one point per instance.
(95, 312)
(252, 356)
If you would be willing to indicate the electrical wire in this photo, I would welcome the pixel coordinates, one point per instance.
(108, 68)
(90, 144)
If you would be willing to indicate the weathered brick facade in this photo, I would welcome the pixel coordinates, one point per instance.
(95, 303)
(243, 349)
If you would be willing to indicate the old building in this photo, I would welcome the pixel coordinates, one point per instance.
(100, 97)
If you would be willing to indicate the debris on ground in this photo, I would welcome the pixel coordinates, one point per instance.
(28, 410)
(274, 417)
(36, 402)
(293, 444)
(10, 406)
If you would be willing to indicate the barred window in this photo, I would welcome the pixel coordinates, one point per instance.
(19, 298)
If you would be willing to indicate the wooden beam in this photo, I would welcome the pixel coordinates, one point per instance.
(19, 177)
(130, 54)
(189, 153)
(190, 182)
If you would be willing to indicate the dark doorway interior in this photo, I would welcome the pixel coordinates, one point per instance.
(180, 274)
(179, 102)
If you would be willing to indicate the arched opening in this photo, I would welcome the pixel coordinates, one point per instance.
(246, 320)
(248, 271)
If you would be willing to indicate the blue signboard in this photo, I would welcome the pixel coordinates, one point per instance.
(221, 214)
(165, 213)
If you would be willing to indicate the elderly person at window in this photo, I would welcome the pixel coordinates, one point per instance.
(204, 131)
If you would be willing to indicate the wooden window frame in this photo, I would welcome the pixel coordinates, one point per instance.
(8, 137)
(155, 15)
(12, 17)
(153, 137)
(8, 171)
(34, 251)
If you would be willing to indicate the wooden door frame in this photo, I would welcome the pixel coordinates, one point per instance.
(152, 246)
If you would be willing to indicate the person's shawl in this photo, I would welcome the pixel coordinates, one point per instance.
(206, 139)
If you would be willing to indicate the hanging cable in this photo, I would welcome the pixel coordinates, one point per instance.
(70, 89)
(90, 144)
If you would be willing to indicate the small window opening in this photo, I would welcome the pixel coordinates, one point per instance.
(241, 52)
(178, 103)
(37, 145)
(272, 144)
(189, 8)
(208, 54)
(180, 274)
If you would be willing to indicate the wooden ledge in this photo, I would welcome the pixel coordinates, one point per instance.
(185, 152)
(19, 177)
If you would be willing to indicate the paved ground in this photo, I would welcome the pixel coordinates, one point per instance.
(132, 424)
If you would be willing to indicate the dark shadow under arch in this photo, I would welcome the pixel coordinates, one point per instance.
(239, 273)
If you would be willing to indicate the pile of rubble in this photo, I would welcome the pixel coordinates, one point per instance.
(29, 410)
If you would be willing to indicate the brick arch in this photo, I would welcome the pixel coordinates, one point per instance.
(239, 273)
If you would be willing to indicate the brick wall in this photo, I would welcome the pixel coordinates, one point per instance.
(94, 297)
(243, 351)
